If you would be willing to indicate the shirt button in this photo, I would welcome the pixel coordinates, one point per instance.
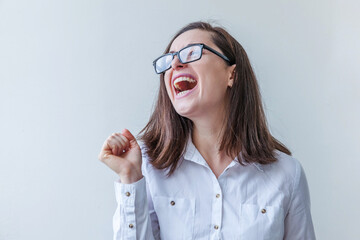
(172, 203)
(263, 210)
(131, 225)
(127, 194)
(216, 227)
(217, 195)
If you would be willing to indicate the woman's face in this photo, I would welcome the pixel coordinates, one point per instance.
(208, 78)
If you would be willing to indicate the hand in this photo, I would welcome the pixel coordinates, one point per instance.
(122, 154)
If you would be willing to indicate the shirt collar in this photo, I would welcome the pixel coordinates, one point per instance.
(192, 154)
(257, 165)
(189, 149)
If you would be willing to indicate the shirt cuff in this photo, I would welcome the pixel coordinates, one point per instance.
(130, 194)
(131, 199)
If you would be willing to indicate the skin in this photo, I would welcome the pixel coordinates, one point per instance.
(213, 77)
(211, 72)
(122, 154)
(204, 106)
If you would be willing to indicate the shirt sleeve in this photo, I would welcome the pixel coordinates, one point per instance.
(298, 221)
(132, 219)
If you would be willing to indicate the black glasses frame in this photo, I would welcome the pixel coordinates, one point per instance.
(203, 46)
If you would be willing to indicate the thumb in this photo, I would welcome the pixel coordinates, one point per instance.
(130, 137)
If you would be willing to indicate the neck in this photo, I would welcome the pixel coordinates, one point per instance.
(207, 135)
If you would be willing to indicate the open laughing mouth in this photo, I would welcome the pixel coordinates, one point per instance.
(184, 84)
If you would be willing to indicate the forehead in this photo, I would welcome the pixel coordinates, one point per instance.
(192, 36)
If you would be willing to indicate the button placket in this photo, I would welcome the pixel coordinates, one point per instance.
(217, 206)
(128, 196)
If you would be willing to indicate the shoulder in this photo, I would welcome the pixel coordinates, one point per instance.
(144, 149)
(286, 173)
(285, 165)
(147, 167)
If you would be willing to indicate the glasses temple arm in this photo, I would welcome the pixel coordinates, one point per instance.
(217, 53)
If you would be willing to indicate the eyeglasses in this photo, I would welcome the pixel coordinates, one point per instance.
(190, 53)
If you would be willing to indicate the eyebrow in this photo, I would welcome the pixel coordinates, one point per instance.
(184, 47)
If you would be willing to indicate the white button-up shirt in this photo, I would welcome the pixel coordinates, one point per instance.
(251, 202)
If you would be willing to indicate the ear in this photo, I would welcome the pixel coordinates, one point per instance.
(231, 75)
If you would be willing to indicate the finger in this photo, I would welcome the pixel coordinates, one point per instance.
(113, 162)
(116, 146)
(123, 141)
(130, 137)
(127, 134)
(105, 150)
(126, 141)
(111, 145)
(106, 146)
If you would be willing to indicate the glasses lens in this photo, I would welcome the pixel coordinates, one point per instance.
(190, 53)
(163, 63)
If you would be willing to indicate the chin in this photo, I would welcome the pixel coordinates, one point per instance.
(184, 111)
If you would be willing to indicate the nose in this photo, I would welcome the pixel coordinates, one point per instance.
(176, 64)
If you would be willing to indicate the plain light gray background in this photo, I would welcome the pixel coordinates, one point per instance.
(74, 72)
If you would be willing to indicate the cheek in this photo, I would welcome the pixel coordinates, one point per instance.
(167, 85)
(216, 80)
(216, 88)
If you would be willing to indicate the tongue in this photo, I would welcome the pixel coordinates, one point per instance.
(185, 85)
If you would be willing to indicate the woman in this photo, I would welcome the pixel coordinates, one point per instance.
(208, 167)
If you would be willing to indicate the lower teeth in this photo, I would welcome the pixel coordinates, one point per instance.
(182, 93)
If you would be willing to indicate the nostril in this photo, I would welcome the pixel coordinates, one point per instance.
(176, 63)
(178, 66)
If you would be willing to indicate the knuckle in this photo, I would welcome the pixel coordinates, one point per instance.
(115, 134)
(124, 138)
(101, 158)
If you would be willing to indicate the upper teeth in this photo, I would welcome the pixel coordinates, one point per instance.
(180, 79)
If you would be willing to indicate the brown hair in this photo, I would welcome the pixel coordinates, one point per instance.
(165, 135)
